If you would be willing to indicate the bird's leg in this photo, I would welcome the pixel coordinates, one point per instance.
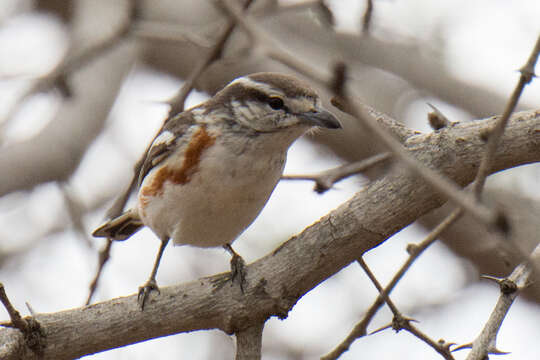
(151, 284)
(238, 272)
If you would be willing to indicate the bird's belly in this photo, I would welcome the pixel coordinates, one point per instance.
(221, 199)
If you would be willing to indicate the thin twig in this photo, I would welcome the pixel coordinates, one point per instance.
(400, 322)
(384, 294)
(30, 328)
(178, 100)
(446, 187)
(442, 184)
(485, 343)
(177, 105)
(360, 329)
(16, 319)
(527, 74)
(58, 77)
(368, 15)
(75, 212)
(270, 47)
(327, 179)
(103, 256)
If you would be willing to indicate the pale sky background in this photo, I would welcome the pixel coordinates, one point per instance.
(487, 41)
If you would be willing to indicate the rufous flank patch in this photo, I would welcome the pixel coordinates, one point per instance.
(200, 141)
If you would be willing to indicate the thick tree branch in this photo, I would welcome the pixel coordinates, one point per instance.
(249, 342)
(275, 282)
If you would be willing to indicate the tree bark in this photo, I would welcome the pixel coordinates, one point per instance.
(276, 281)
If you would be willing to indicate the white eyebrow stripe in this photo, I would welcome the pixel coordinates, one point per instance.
(247, 82)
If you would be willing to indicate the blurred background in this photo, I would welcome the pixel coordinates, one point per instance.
(81, 97)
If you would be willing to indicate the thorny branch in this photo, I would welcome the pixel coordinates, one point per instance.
(360, 329)
(330, 178)
(527, 74)
(486, 341)
(345, 104)
(510, 287)
(30, 328)
(325, 180)
(400, 322)
(439, 182)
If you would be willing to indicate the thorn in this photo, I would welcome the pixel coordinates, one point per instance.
(437, 120)
(381, 329)
(496, 351)
(492, 278)
(461, 347)
(30, 308)
(507, 286)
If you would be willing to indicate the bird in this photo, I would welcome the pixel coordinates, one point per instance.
(211, 169)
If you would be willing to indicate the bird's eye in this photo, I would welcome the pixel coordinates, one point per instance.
(276, 103)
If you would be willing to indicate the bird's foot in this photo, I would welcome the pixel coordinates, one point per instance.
(144, 292)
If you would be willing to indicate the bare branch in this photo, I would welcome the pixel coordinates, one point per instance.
(59, 77)
(178, 100)
(249, 342)
(443, 185)
(326, 179)
(510, 287)
(103, 256)
(29, 327)
(449, 189)
(14, 315)
(360, 329)
(527, 73)
(51, 155)
(177, 106)
(400, 322)
(368, 15)
(275, 282)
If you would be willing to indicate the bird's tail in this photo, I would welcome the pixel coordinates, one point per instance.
(121, 227)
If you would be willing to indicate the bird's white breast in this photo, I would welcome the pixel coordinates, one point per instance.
(224, 193)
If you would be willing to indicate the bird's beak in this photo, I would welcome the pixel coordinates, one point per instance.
(322, 118)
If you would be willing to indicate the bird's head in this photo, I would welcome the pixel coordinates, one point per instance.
(270, 102)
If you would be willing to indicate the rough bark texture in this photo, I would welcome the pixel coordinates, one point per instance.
(277, 281)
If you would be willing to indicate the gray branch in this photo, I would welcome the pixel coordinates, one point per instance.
(276, 281)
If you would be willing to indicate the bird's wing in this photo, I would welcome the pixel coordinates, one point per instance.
(165, 142)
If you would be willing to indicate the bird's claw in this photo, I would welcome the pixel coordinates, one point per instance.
(144, 292)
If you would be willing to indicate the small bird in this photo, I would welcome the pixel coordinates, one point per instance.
(211, 169)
